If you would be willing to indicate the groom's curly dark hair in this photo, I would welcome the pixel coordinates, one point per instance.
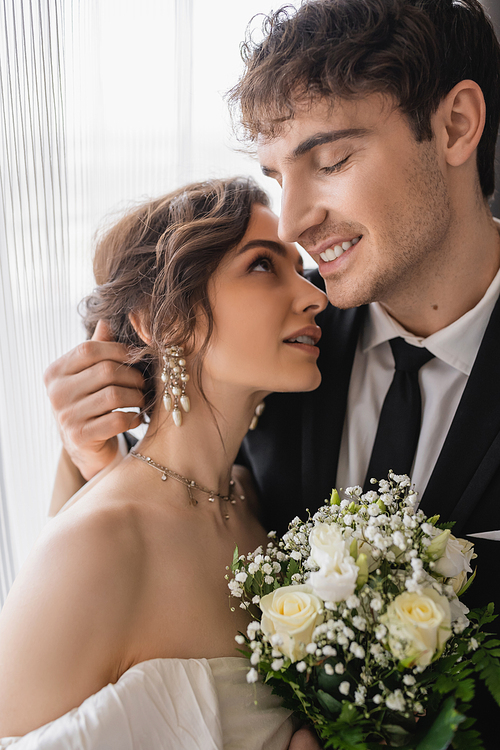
(414, 51)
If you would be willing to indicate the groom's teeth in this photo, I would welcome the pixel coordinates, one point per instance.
(335, 252)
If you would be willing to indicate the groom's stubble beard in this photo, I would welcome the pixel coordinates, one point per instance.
(407, 248)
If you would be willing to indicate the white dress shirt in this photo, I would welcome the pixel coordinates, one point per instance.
(442, 383)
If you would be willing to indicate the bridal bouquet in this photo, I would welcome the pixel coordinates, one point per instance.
(358, 624)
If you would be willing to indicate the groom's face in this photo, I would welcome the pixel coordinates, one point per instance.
(362, 196)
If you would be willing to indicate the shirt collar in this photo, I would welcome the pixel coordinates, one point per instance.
(457, 344)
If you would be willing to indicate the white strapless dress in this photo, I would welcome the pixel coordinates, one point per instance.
(171, 704)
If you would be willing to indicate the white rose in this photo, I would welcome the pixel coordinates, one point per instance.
(418, 626)
(456, 558)
(327, 542)
(292, 612)
(336, 580)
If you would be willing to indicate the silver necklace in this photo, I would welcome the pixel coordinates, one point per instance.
(190, 484)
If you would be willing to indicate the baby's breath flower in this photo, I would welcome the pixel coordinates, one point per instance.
(344, 687)
(359, 622)
(235, 588)
(395, 701)
(352, 601)
(377, 699)
(360, 695)
(277, 665)
(357, 650)
(328, 669)
(301, 666)
(239, 639)
(252, 675)
(339, 668)
(409, 679)
(241, 577)
(253, 627)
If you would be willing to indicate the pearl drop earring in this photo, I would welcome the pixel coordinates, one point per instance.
(175, 378)
(258, 411)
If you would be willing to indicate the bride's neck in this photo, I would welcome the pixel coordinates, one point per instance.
(205, 446)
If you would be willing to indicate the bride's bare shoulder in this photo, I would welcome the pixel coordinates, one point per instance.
(68, 617)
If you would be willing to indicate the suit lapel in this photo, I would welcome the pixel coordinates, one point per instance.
(323, 410)
(474, 429)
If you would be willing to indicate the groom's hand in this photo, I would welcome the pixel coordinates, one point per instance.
(85, 386)
(304, 739)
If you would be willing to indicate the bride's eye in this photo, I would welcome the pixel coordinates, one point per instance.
(262, 263)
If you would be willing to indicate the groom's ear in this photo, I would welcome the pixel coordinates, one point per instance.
(140, 327)
(458, 123)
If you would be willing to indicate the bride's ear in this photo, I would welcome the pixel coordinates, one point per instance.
(140, 327)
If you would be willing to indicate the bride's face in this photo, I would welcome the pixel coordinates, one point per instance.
(261, 305)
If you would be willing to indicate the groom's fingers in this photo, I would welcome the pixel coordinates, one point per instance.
(85, 386)
(102, 332)
(68, 388)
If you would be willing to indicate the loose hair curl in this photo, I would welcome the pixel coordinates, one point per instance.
(414, 51)
(157, 262)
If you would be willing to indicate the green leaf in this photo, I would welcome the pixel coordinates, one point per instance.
(349, 713)
(236, 554)
(468, 583)
(491, 676)
(465, 690)
(328, 702)
(443, 728)
(398, 736)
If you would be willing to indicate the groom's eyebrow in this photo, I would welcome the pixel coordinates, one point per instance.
(319, 139)
(275, 247)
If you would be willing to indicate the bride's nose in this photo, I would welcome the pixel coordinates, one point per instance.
(309, 297)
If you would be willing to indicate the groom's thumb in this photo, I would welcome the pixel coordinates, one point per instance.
(102, 332)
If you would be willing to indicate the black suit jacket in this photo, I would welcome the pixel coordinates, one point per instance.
(294, 451)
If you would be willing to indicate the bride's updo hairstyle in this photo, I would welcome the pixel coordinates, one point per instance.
(156, 263)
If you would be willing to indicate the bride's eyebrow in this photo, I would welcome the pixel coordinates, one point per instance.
(275, 247)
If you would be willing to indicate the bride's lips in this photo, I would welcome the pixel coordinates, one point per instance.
(305, 339)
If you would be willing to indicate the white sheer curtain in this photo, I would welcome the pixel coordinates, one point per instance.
(103, 103)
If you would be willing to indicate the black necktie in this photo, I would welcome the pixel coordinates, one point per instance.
(399, 424)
